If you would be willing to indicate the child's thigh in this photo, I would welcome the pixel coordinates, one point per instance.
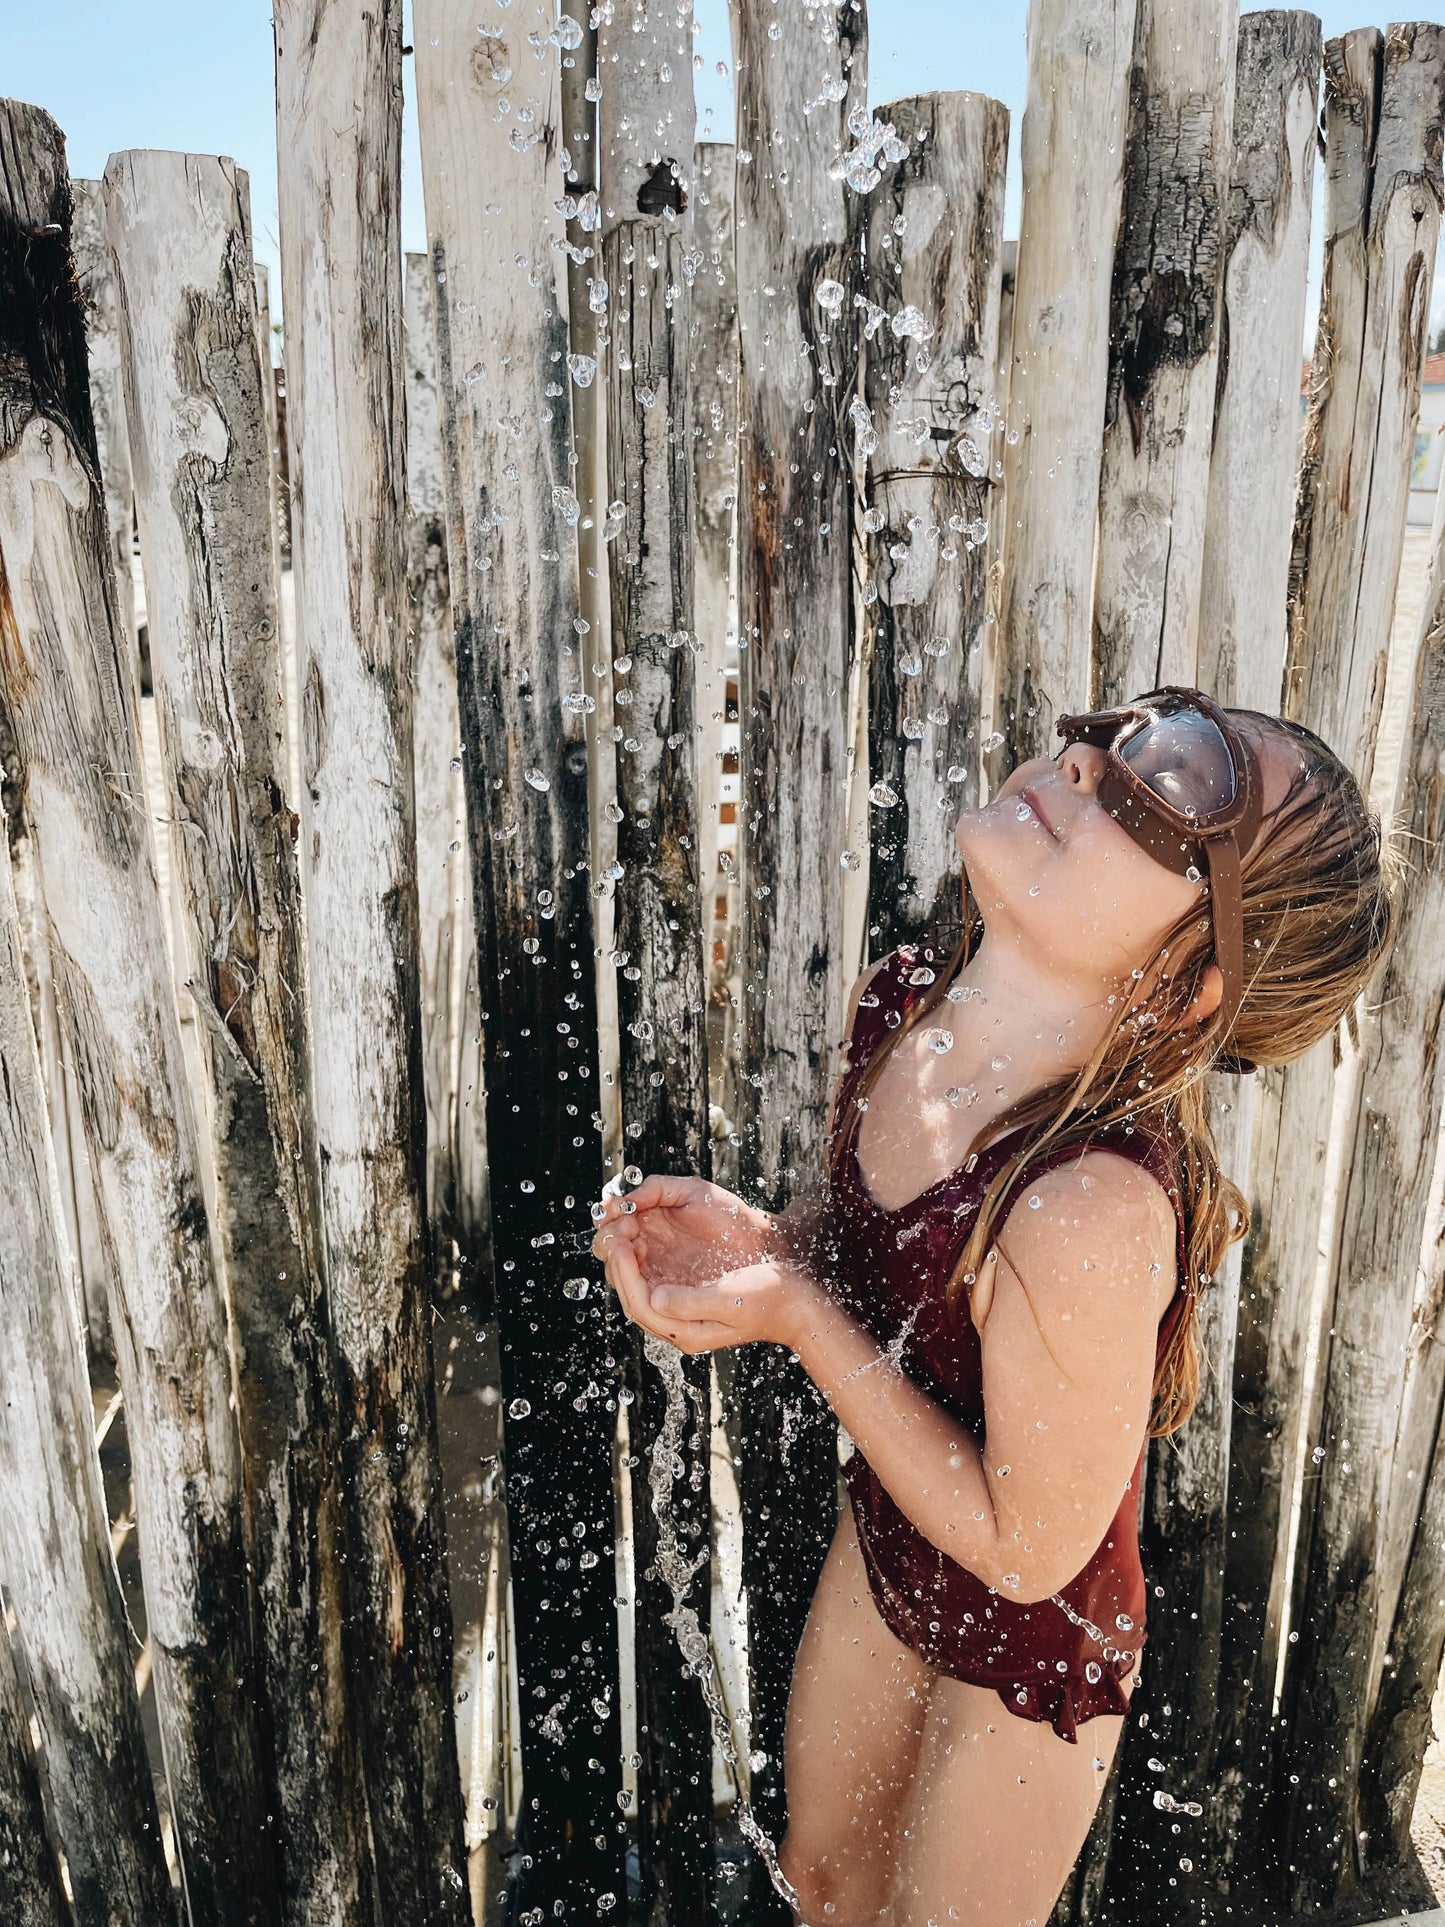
(855, 1718)
(997, 1814)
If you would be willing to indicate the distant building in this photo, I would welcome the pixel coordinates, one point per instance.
(1429, 439)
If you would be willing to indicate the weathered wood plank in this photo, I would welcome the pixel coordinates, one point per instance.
(54, 1536)
(713, 424)
(1382, 115)
(338, 120)
(1393, 1131)
(1201, 1687)
(1383, 111)
(645, 128)
(494, 235)
(96, 278)
(1164, 347)
(67, 686)
(444, 917)
(1407, 1064)
(180, 229)
(30, 1890)
(796, 230)
(1255, 451)
(1072, 151)
(934, 265)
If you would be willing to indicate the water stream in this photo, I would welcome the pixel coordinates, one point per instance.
(678, 1572)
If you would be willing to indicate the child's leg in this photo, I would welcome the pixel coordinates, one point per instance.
(855, 1717)
(997, 1814)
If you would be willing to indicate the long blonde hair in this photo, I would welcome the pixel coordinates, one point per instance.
(1323, 891)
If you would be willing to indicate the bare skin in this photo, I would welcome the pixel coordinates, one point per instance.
(915, 1798)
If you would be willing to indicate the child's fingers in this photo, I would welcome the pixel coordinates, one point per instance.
(691, 1304)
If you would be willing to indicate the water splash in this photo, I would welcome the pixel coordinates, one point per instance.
(678, 1571)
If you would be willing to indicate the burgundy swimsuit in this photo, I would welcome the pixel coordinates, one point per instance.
(1048, 1661)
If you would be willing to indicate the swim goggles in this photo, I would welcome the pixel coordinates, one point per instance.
(1182, 780)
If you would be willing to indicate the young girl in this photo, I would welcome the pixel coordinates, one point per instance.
(996, 1288)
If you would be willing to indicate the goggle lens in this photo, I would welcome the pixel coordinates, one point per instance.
(1184, 759)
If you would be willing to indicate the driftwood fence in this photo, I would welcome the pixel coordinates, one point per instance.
(482, 855)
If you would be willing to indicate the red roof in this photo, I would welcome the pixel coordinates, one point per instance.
(1433, 375)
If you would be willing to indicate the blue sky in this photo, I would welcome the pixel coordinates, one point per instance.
(197, 75)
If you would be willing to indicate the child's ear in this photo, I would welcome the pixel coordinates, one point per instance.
(1205, 1001)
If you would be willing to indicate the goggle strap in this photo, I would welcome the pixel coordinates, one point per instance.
(1226, 897)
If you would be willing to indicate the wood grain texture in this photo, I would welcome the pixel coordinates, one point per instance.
(492, 183)
(1252, 462)
(1072, 152)
(180, 229)
(796, 228)
(442, 872)
(1205, 1693)
(645, 127)
(713, 425)
(30, 1889)
(1383, 132)
(934, 251)
(1332, 1684)
(65, 671)
(95, 274)
(338, 115)
(1405, 1066)
(1164, 348)
(54, 1536)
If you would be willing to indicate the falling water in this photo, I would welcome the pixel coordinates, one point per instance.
(678, 1572)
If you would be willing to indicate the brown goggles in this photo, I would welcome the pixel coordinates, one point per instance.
(1182, 780)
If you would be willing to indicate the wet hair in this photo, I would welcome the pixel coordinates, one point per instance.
(1323, 892)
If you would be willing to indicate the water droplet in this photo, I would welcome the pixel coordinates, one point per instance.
(850, 859)
(909, 324)
(939, 1040)
(829, 296)
(873, 520)
(1035, 1202)
(579, 702)
(567, 505)
(995, 741)
(538, 781)
(582, 368)
(520, 1408)
(882, 796)
(576, 1287)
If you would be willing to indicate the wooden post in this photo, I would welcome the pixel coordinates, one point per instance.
(1402, 1101)
(65, 679)
(934, 263)
(1210, 1681)
(96, 278)
(713, 424)
(54, 1538)
(645, 141)
(195, 398)
(1255, 451)
(1394, 1121)
(1164, 347)
(1382, 221)
(796, 233)
(30, 1891)
(338, 119)
(1293, 1106)
(1072, 148)
(524, 676)
(442, 883)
